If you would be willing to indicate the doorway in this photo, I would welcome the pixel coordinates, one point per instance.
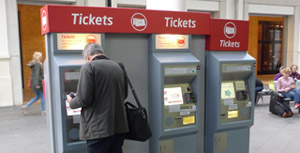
(266, 43)
(31, 40)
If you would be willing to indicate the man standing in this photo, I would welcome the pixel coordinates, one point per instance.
(101, 92)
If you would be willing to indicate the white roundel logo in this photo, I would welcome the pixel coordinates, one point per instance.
(229, 30)
(44, 20)
(139, 22)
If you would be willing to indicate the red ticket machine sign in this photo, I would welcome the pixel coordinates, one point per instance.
(78, 19)
(228, 35)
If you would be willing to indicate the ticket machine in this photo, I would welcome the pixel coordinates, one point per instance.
(170, 79)
(64, 60)
(230, 86)
(174, 76)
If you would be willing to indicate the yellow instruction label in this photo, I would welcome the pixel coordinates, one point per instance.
(233, 114)
(240, 85)
(188, 120)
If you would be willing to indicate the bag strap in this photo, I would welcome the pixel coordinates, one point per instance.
(130, 85)
(128, 104)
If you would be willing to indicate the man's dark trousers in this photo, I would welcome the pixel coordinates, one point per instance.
(111, 144)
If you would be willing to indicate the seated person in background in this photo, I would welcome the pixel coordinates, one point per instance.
(295, 75)
(286, 85)
(279, 74)
(259, 86)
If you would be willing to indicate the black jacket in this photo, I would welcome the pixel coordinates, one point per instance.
(258, 83)
(36, 76)
(101, 93)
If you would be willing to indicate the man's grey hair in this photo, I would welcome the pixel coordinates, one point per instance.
(92, 49)
(281, 68)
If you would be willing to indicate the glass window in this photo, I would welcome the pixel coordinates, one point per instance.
(278, 34)
(270, 46)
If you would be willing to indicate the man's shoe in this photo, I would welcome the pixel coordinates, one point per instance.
(290, 114)
(284, 115)
(297, 105)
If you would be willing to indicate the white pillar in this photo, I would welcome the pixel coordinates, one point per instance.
(239, 8)
(289, 35)
(100, 3)
(14, 51)
(293, 38)
(175, 5)
(80, 2)
(222, 13)
(230, 9)
(246, 11)
(6, 98)
(297, 37)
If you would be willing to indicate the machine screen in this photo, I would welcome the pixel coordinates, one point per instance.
(227, 90)
(71, 77)
(173, 96)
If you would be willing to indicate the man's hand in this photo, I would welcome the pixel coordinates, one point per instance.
(69, 98)
(38, 87)
(286, 90)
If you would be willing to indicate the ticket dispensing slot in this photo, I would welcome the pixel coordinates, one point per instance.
(179, 96)
(241, 95)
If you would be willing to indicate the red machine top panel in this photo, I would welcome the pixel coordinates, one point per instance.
(228, 35)
(78, 19)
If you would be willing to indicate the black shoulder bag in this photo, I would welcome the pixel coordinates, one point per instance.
(139, 129)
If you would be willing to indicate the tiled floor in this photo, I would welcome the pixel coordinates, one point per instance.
(28, 133)
(272, 134)
(21, 133)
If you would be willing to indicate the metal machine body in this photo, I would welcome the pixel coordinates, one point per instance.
(230, 84)
(62, 68)
(174, 76)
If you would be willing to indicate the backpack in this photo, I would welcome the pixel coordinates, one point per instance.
(279, 107)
